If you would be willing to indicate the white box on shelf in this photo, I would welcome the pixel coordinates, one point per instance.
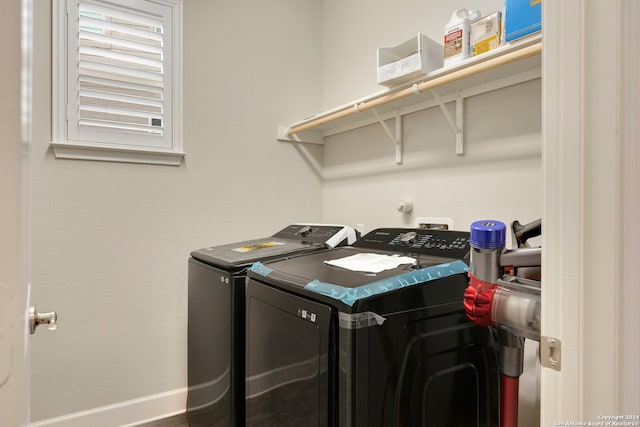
(407, 61)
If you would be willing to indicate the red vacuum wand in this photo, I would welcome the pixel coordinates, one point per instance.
(507, 303)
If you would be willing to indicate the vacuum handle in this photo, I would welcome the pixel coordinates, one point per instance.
(527, 231)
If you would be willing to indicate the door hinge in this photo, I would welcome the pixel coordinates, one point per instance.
(551, 353)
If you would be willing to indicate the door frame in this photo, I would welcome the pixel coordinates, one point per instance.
(590, 168)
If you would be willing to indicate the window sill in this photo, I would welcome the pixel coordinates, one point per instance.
(111, 153)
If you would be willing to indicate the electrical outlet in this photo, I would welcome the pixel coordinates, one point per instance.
(434, 223)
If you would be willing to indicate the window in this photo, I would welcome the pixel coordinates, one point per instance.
(117, 80)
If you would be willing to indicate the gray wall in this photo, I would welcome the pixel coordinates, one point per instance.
(502, 130)
(110, 241)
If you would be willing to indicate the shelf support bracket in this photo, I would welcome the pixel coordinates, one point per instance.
(395, 139)
(310, 136)
(456, 124)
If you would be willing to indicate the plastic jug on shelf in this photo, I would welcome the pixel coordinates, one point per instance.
(456, 35)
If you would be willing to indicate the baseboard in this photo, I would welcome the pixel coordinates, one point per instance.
(129, 413)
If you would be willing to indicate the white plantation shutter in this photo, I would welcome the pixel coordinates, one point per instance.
(120, 85)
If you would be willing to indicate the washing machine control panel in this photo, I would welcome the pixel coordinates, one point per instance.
(444, 243)
(329, 234)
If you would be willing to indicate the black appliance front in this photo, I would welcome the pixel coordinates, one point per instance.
(215, 346)
(290, 379)
(216, 304)
(400, 349)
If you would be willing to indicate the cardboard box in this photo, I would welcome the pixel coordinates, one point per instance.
(486, 34)
(409, 60)
(522, 18)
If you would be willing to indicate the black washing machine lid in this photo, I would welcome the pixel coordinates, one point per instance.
(235, 256)
(356, 291)
(293, 239)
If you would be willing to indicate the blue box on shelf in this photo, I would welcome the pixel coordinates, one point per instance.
(521, 18)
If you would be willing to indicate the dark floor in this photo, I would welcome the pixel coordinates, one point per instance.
(175, 421)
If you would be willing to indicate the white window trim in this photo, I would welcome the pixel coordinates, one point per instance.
(63, 148)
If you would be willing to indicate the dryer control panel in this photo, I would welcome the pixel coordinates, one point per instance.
(442, 243)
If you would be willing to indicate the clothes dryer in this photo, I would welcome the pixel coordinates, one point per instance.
(216, 281)
(369, 335)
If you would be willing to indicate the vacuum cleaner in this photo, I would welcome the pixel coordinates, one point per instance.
(504, 293)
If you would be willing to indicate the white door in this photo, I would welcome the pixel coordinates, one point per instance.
(16, 317)
(14, 406)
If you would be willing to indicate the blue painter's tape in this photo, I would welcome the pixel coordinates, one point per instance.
(350, 295)
(260, 268)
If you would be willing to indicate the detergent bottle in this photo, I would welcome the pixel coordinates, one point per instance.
(456, 35)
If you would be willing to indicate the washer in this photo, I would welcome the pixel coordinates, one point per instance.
(384, 345)
(216, 280)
